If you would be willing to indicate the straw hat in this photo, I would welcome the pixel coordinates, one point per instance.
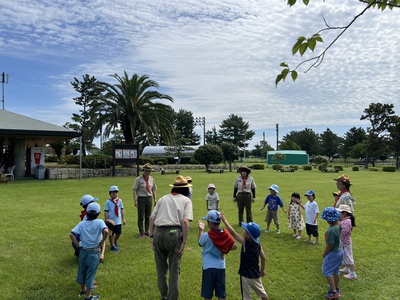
(345, 207)
(245, 168)
(344, 178)
(180, 182)
(147, 167)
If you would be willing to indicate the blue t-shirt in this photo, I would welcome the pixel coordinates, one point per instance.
(110, 208)
(210, 254)
(90, 232)
(273, 202)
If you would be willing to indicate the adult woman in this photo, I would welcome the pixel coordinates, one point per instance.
(345, 197)
(144, 189)
(244, 193)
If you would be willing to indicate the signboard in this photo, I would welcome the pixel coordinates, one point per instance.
(125, 154)
(37, 158)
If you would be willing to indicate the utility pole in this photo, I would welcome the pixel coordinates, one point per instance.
(277, 135)
(201, 121)
(4, 79)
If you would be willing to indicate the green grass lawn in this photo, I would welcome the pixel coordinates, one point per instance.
(37, 261)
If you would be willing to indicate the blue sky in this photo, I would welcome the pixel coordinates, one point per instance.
(214, 57)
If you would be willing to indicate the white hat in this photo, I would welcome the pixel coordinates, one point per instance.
(114, 188)
(212, 186)
(87, 199)
(93, 207)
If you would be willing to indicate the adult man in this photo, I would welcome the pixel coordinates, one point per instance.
(169, 226)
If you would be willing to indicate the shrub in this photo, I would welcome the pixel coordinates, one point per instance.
(97, 161)
(160, 163)
(389, 169)
(355, 168)
(51, 158)
(258, 166)
(145, 160)
(307, 167)
(69, 160)
(296, 167)
(340, 168)
(276, 167)
(374, 169)
(185, 160)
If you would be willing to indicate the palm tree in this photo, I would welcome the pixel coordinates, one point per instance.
(129, 105)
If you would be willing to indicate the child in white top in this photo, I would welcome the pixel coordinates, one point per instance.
(212, 198)
(312, 213)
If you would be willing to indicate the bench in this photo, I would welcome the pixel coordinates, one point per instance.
(330, 170)
(177, 171)
(215, 170)
(287, 169)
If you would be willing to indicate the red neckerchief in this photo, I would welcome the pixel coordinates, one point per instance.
(83, 214)
(244, 182)
(115, 201)
(147, 183)
(222, 240)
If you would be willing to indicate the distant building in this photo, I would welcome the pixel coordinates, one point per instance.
(156, 151)
(293, 157)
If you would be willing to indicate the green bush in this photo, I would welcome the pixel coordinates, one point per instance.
(340, 168)
(69, 160)
(185, 160)
(307, 167)
(355, 168)
(374, 169)
(51, 158)
(258, 167)
(296, 167)
(276, 167)
(145, 160)
(97, 161)
(389, 169)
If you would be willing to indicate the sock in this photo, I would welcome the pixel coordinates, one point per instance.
(352, 273)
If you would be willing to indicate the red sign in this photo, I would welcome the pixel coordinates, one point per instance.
(37, 157)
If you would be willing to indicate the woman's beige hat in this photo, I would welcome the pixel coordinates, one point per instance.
(180, 182)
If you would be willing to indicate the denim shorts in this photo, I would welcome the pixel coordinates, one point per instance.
(331, 263)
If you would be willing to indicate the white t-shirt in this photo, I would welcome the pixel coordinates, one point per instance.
(311, 209)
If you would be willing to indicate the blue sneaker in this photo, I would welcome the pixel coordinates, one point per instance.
(115, 249)
(333, 294)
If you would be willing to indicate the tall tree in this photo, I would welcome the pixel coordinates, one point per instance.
(90, 91)
(208, 154)
(353, 138)
(381, 117)
(289, 145)
(231, 153)
(184, 123)
(303, 44)
(330, 143)
(131, 106)
(307, 139)
(236, 131)
(394, 141)
(213, 137)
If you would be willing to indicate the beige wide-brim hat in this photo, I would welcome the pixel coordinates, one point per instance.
(180, 182)
(245, 168)
(147, 167)
(343, 178)
(345, 207)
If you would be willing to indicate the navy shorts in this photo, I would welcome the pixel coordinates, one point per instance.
(117, 229)
(213, 279)
(312, 230)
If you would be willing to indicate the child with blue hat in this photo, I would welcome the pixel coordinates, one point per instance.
(333, 253)
(249, 270)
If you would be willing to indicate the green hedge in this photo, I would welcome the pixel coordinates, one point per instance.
(389, 169)
(355, 168)
(69, 160)
(307, 167)
(97, 161)
(51, 158)
(258, 167)
(374, 169)
(296, 167)
(276, 167)
(340, 168)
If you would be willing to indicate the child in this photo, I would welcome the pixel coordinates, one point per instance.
(333, 253)
(212, 198)
(85, 201)
(295, 217)
(273, 201)
(336, 196)
(312, 213)
(93, 233)
(189, 180)
(216, 243)
(114, 210)
(249, 270)
(347, 222)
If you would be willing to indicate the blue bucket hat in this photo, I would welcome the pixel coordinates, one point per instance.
(330, 214)
(253, 229)
(310, 193)
(212, 216)
(275, 188)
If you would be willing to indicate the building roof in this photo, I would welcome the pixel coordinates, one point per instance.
(160, 150)
(34, 132)
(287, 152)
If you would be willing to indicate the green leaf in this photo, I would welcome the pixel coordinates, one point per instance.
(306, 2)
(278, 78)
(311, 44)
(303, 49)
(296, 46)
(318, 38)
(283, 64)
(294, 75)
(301, 38)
